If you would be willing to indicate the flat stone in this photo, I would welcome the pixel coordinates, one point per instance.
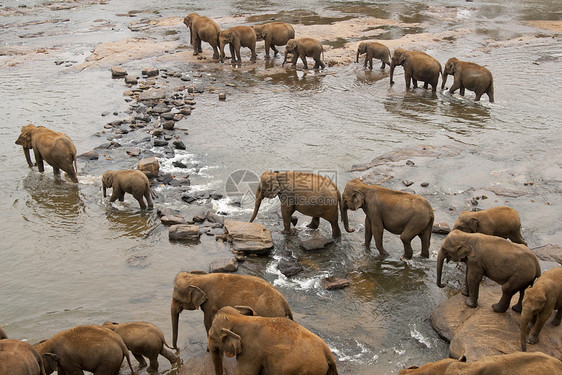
(179, 145)
(334, 282)
(134, 151)
(407, 182)
(223, 265)
(247, 237)
(172, 220)
(199, 218)
(152, 94)
(165, 211)
(130, 80)
(149, 166)
(118, 72)
(441, 228)
(160, 143)
(90, 155)
(213, 217)
(184, 232)
(150, 72)
(168, 125)
(289, 266)
(549, 253)
(424, 184)
(316, 243)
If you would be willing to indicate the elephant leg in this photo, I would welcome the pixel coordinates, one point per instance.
(286, 213)
(275, 51)
(293, 60)
(490, 96)
(426, 85)
(196, 45)
(314, 223)
(477, 98)
(533, 337)
(461, 90)
(503, 303)
(169, 355)
(377, 228)
(56, 170)
(153, 368)
(39, 161)
(382, 66)
(303, 59)
(519, 305)
(140, 359)
(406, 237)
(139, 198)
(232, 53)
(474, 277)
(148, 198)
(114, 195)
(122, 197)
(414, 83)
(368, 232)
(254, 55)
(215, 51)
(267, 46)
(425, 238)
(557, 318)
(321, 65)
(464, 290)
(336, 232)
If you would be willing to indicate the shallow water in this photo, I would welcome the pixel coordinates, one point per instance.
(69, 257)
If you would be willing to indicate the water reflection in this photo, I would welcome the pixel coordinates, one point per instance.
(136, 223)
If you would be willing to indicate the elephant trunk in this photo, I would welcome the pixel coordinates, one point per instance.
(357, 58)
(175, 310)
(524, 331)
(285, 59)
(104, 191)
(392, 65)
(444, 80)
(27, 157)
(256, 208)
(344, 219)
(440, 259)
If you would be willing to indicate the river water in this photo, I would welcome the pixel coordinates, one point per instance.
(68, 257)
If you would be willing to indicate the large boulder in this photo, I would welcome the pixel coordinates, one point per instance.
(479, 332)
(184, 232)
(149, 166)
(251, 238)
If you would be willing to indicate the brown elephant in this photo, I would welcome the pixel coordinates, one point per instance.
(496, 221)
(373, 50)
(20, 358)
(303, 48)
(3, 334)
(90, 348)
(202, 29)
(512, 265)
(305, 192)
(418, 66)
(539, 302)
(471, 76)
(267, 346)
(53, 147)
(503, 364)
(130, 181)
(211, 292)
(236, 37)
(274, 34)
(408, 215)
(143, 339)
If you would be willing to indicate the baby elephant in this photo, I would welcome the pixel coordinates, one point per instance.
(373, 50)
(496, 221)
(143, 339)
(303, 48)
(130, 181)
(470, 76)
(539, 302)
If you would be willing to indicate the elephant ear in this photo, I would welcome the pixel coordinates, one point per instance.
(231, 37)
(195, 297)
(401, 59)
(50, 362)
(357, 198)
(107, 179)
(24, 139)
(270, 185)
(473, 225)
(231, 343)
(246, 310)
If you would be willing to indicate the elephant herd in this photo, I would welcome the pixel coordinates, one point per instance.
(418, 66)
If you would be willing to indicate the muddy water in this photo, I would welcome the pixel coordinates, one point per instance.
(68, 257)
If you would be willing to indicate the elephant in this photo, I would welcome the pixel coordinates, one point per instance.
(496, 221)
(305, 192)
(274, 34)
(303, 48)
(90, 348)
(504, 364)
(267, 346)
(373, 50)
(402, 213)
(3, 334)
(130, 181)
(418, 66)
(20, 358)
(236, 37)
(53, 147)
(539, 302)
(512, 265)
(143, 339)
(202, 29)
(471, 76)
(213, 291)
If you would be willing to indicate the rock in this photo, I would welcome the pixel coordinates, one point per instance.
(165, 178)
(165, 211)
(224, 265)
(479, 332)
(172, 220)
(138, 261)
(441, 228)
(168, 125)
(188, 199)
(213, 217)
(90, 155)
(160, 143)
(186, 111)
(316, 243)
(130, 80)
(501, 192)
(410, 163)
(222, 96)
(289, 266)
(424, 184)
(334, 282)
(167, 116)
(179, 145)
(407, 183)
(549, 253)
(152, 94)
(179, 164)
(199, 218)
(118, 72)
(150, 72)
(134, 151)
(247, 237)
(185, 232)
(160, 108)
(149, 166)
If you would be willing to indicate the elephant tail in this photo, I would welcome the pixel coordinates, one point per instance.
(332, 369)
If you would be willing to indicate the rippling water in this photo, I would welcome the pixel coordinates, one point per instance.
(69, 257)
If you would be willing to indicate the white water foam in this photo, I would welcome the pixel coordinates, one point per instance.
(419, 337)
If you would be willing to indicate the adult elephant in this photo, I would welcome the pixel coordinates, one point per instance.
(303, 48)
(418, 66)
(274, 34)
(496, 221)
(130, 181)
(305, 192)
(408, 215)
(236, 37)
(503, 364)
(267, 346)
(373, 50)
(202, 29)
(512, 265)
(471, 76)
(84, 348)
(53, 147)
(20, 358)
(211, 292)
(143, 339)
(539, 302)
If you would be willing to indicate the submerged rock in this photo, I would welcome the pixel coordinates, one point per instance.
(334, 282)
(172, 220)
(316, 243)
(184, 232)
(224, 265)
(549, 253)
(289, 266)
(247, 237)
